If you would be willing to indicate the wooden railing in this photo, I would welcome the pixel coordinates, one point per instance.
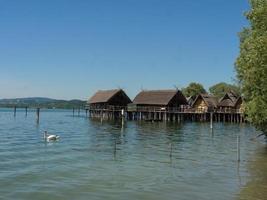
(182, 109)
(107, 108)
(229, 110)
(161, 109)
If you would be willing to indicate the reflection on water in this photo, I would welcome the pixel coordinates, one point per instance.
(256, 188)
(108, 160)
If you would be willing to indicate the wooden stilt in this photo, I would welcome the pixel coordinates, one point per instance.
(15, 111)
(211, 120)
(170, 150)
(238, 148)
(38, 115)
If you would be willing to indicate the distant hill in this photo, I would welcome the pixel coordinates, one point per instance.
(42, 102)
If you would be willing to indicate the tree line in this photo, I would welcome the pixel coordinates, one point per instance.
(217, 90)
(251, 64)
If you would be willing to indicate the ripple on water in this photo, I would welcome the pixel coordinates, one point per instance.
(84, 163)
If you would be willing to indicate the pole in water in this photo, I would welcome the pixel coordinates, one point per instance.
(26, 111)
(115, 148)
(171, 150)
(238, 148)
(15, 111)
(122, 121)
(37, 115)
(211, 120)
(73, 110)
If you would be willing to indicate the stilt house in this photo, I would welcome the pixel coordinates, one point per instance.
(230, 102)
(108, 103)
(157, 105)
(205, 103)
(158, 100)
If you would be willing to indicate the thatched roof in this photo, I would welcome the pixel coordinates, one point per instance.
(226, 103)
(190, 100)
(239, 101)
(232, 95)
(209, 100)
(104, 96)
(228, 100)
(160, 97)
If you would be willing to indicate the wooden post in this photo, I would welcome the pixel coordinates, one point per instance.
(173, 117)
(211, 120)
(15, 111)
(171, 150)
(26, 111)
(122, 113)
(115, 148)
(37, 115)
(235, 118)
(238, 148)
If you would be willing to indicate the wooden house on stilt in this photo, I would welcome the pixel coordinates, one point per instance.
(108, 104)
(227, 109)
(205, 103)
(157, 105)
(230, 103)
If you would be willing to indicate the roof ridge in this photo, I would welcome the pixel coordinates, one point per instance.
(104, 95)
(157, 97)
(168, 90)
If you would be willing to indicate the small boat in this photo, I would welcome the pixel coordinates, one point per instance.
(50, 137)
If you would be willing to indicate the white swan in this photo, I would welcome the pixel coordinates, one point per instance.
(49, 138)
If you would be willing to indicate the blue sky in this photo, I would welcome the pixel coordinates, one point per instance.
(68, 49)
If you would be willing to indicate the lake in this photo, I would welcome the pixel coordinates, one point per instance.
(136, 160)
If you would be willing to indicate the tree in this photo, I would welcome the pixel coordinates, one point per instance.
(220, 89)
(193, 89)
(251, 65)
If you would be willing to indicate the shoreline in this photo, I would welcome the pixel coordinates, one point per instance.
(256, 187)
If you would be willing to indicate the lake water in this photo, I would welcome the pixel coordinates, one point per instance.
(86, 164)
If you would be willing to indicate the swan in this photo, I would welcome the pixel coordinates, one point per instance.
(48, 137)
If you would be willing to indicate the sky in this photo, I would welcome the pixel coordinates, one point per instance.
(69, 49)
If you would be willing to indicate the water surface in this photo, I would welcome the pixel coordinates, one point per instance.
(86, 163)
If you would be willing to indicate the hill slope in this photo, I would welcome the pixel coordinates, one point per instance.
(42, 102)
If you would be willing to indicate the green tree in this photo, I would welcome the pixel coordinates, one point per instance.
(220, 89)
(193, 89)
(251, 65)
